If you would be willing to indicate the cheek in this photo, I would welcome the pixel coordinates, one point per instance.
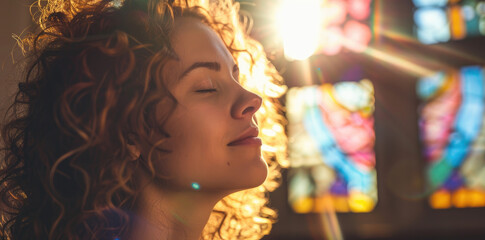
(199, 132)
(200, 123)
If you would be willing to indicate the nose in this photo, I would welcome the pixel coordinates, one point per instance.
(246, 105)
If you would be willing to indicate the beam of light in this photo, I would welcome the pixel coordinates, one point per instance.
(376, 19)
(331, 226)
(298, 24)
(399, 62)
(403, 38)
(355, 37)
(306, 75)
(396, 61)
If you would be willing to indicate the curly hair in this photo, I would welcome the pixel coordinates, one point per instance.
(92, 83)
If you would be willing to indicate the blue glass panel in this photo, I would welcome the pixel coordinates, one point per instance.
(432, 25)
(430, 3)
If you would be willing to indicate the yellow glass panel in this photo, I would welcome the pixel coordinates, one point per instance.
(457, 24)
(360, 202)
(340, 203)
(459, 198)
(303, 205)
(476, 198)
(440, 199)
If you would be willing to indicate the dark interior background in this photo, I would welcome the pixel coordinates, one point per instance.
(14, 19)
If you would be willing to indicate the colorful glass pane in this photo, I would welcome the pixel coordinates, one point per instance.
(331, 147)
(431, 25)
(438, 21)
(453, 135)
(430, 3)
(346, 25)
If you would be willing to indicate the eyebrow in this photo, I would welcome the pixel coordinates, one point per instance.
(209, 65)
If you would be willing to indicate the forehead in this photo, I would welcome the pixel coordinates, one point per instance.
(194, 41)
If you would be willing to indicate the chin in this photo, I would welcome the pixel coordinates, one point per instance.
(251, 176)
(259, 175)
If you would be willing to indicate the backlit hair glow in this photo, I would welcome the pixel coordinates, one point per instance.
(92, 84)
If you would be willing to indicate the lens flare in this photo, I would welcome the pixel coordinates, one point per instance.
(195, 186)
(331, 40)
(334, 12)
(298, 24)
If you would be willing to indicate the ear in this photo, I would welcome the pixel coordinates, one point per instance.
(133, 151)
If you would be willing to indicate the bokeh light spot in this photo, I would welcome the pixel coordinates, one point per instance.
(195, 186)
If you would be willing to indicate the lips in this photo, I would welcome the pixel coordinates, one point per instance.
(248, 137)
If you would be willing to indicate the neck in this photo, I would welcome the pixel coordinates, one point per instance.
(170, 214)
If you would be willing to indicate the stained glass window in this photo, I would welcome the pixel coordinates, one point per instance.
(453, 135)
(346, 25)
(331, 147)
(444, 20)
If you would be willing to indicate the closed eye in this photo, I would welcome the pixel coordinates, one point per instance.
(235, 72)
(206, 90)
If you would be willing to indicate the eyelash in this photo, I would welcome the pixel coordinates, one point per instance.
(207, 90)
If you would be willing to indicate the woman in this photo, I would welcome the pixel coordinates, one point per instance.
(133, 123)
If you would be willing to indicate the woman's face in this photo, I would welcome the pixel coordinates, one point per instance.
(213, 138)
